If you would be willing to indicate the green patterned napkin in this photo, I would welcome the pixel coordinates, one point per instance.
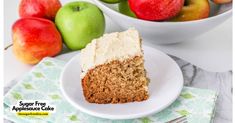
(42, 83)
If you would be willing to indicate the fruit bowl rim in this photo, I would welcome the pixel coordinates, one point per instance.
(100, 3)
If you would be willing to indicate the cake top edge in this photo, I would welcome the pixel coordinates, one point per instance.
(112, 46)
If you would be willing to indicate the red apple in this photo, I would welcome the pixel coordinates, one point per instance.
(193, 10)
(222, 1)
(39, 8)
(34, 39)
(156, 10)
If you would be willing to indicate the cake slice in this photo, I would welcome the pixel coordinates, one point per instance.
(113, 69)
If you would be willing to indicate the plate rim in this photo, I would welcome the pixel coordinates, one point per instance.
(121, 117)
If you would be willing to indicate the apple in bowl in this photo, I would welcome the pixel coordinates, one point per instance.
(112, 1)
(156, 10)
(124, 8)
(168, 32)
(222, 1)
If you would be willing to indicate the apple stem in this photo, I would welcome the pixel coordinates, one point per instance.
(77, 8)
(8, 46)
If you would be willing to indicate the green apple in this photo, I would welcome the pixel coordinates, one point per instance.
(79, 23)
(124, 8)
(111, 1)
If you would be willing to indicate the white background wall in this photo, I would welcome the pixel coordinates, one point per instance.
(10, 15)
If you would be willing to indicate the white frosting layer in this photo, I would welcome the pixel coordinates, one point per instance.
(113, 46)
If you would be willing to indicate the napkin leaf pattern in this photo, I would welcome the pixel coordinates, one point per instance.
(42, 83)
(186, 95)
(55, 96)
(73, 118)
(16, 96)
(38, 74)
(183, 112)
(48, 63)
(27, 86)
(146, 120)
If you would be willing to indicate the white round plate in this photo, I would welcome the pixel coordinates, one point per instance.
(166, 83)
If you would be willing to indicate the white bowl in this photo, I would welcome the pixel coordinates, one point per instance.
(168, 32)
